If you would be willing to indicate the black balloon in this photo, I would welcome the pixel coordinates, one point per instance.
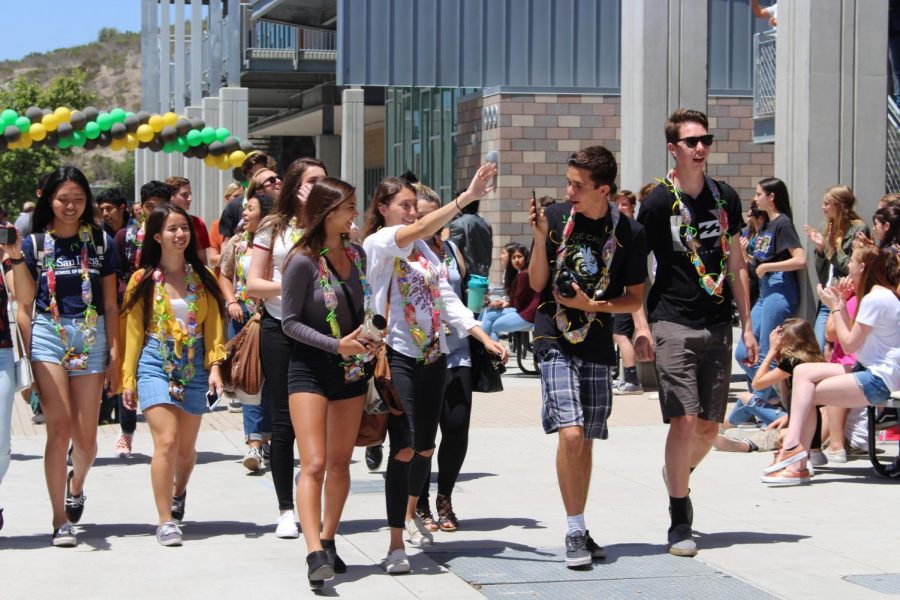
(131, 123)
(168, 134)
(78, 120)
(216, 148)
(155, 144)
(182, 126)
(143, 145)
(2, 144)
(52, 138)
(189, 153)
(64, 130)
(197, 124)
(90, 144)
(143, 116)
(91, 113)
(11, 133)
(231, 144)
(104, 139)
(34, 114)
(201, 151)
(47, 111)
(118, 131)
(246, 147)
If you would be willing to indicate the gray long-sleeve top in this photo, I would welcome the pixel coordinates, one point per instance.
(303, 304)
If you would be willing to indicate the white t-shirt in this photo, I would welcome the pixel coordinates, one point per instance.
(283, 245)
(880, 352)
(381, 251)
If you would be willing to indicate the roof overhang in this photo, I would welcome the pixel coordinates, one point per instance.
(311, 122)
(307, 13)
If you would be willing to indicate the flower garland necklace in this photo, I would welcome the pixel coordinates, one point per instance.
(353, 369)
(240, 273)
(296, 231)
(134, 241)
(73, 360)
(576, 336)
(712, 283)
(428, 352)
(161, 317)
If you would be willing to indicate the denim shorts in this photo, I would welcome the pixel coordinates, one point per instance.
(872, 386)
(153, 383)
(47, 347)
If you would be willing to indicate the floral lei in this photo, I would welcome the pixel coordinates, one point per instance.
(432, 283)
(712, 283)
(88, 326)
(326, 281)
(576, 336)
(240, 275)
(296, 231)
(161, 318)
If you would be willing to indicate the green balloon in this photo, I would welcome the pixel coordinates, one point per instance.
(222, 134)
(78, 139)
(23, 123)
(64, 142)
(91, 131)
(208, 135)
(117, 114)
(169, 147)
(194, 138)
(8, 117)
(181, 145)
(105, 121)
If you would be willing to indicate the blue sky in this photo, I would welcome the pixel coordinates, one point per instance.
(42, 25)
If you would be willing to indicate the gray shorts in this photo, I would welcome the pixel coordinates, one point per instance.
(574, 393)
(693, 369)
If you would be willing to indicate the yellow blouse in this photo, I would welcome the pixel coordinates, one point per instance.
(136, 330)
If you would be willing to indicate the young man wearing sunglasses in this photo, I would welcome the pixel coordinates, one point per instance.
(693, 227)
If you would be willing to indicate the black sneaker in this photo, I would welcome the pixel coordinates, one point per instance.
(681, 541)
(178, 503)
(596, 550)
(374, 456)
(1, 518)
(64, 536)
(337, 564)
(577, 554)
(319, 569)
(74, 504)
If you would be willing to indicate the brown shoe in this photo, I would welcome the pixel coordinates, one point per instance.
(787, 477)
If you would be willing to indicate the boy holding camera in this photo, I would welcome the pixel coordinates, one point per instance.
(587, 262)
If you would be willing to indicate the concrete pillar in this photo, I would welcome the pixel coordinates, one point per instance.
(830, 107)
(328, 150)
(215, 46)
(234, 103)
(165, 101)
(149, 56)
(352, 138)
(179, 79)
(212, 184)
(196, 95)
(666, 63)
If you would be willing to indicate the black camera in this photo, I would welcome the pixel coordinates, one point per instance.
(565, 279)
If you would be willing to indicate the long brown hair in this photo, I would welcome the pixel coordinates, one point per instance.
(798, 341)
(874, 263)
(384, 193)
(325, 196)
(843, 199)
(286, 205)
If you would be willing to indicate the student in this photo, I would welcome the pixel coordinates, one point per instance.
(67, 267)
(174, 346)
(7, 358)
(623, 324)
(182, 198)
(114, 211)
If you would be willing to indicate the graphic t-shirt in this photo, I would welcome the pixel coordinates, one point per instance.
(67, 254)
(677, 295)
(584, 260)
(774, 244)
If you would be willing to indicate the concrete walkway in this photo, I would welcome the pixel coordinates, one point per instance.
(755, 541)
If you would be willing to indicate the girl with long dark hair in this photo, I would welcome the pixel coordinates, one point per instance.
(67, 268)
(174, 346)
(325, 300)
(274, 239)
(777, 253)
(504, 317)
(886, 224)
(405, 273)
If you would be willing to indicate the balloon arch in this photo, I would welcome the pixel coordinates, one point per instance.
(118, 130)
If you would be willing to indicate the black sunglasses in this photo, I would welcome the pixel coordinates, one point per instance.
(271, 180)
(691, 141)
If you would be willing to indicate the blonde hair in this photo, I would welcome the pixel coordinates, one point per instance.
(798, 342)
(232, 188)
(842, 197)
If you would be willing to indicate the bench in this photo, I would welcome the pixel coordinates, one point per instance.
(520, 345)
(892, 470)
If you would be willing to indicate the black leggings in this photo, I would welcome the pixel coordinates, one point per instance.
(418, 386)
(275, 354)
(455, 416)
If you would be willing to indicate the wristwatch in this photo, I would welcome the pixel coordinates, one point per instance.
(17, 261)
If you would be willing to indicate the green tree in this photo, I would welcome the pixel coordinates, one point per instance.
(21, 169)
(107, 34)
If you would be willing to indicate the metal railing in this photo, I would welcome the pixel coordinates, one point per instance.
(764, 74)
(279, 41)
(892, 179)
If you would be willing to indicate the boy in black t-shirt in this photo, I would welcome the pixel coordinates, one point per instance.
(587, 262)
(693, 226)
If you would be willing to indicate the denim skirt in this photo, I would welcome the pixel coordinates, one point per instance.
(153, 382)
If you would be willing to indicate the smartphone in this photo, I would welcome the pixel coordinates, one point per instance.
(212, 400)
(534, 199)
(7, 235)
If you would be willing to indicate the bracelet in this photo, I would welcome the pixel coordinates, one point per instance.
(834, 310)
(232, 302)
(17, 261)
(458, 207)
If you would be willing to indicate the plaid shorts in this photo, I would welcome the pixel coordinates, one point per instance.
(575, 392)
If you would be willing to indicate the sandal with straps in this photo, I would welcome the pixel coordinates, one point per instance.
(447, 520)
(424, 513)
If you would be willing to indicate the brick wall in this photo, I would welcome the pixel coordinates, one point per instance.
(735, 158)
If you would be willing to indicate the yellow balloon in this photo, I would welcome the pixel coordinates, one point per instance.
(15, 146)
(144, 133)
(223, 162)
(50, 122)
(117, 144)
(170, 118)
(237, 158)
(156, 123)
(63, 114)
(131, 142)
(37, 132)
(24, 141)
(209, 160)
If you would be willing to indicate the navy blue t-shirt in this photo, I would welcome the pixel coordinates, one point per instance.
(68, 272)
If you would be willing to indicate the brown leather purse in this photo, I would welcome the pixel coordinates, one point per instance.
(241, 368)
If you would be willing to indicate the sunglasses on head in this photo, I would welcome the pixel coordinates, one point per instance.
(691, 141)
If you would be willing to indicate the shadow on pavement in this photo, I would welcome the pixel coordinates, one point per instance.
(23, 457)
(726, 539)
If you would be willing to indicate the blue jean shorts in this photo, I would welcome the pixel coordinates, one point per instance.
(153, 382)
(872, 386)
(47, 347)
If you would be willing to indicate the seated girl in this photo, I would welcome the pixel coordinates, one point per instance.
(516, 311)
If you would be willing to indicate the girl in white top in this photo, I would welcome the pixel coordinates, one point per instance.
(875, 338)
(404, 271)
(275, 237)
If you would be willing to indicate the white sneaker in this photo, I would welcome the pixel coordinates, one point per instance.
(287, 526)
(417, 534)
(252, 460)
(396, 562)
(625, 388)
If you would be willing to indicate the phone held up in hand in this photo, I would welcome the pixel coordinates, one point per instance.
(7, 235)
